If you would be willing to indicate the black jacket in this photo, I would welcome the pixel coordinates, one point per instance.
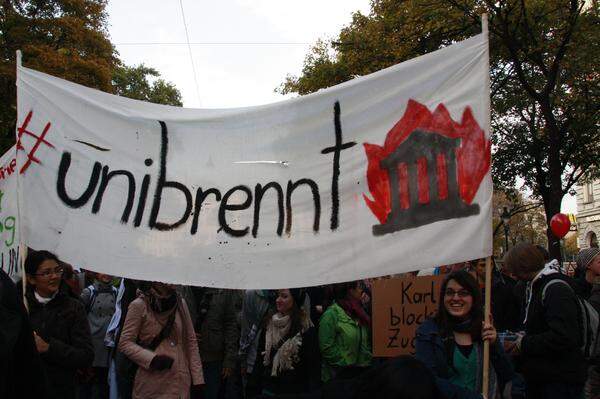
(582, 288)
(594, 298)
(506, 306)
(21, 374)
(214, 314)
(306, 375)
(551, 347)
(63, 324)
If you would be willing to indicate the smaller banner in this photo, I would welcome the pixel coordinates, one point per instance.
(400, 306)
(9, 236)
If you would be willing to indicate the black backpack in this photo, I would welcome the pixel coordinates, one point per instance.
(590, 322)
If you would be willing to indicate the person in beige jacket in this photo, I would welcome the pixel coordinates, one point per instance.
(173, 369)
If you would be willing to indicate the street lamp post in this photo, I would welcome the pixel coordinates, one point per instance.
(505, 216)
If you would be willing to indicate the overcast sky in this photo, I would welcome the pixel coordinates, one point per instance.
(247, 46)
(241, 49)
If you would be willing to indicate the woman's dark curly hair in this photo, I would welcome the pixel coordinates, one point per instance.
(446, 321)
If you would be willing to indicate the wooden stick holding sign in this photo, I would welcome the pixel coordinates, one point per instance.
(488, 262)
(487, 310)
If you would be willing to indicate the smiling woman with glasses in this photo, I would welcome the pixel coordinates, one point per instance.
(61, 330)
(451, 343)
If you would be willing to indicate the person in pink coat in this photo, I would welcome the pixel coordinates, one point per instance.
(159, 318)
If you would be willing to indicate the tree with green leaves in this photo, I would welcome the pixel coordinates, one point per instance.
(68, 39)
(65, 38)
(135, 82)
(544, 73)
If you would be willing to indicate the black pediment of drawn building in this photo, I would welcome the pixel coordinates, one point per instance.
(422, 144)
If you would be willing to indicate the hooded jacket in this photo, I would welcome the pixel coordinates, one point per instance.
(550, 349)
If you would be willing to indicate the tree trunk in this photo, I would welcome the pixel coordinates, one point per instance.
(552, 207)
(555, 191)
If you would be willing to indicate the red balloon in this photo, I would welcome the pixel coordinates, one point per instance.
(560, 225)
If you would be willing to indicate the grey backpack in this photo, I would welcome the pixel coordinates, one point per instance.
(590, 322)
(94, 294)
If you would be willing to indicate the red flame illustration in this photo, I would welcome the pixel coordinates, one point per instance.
(473, 157)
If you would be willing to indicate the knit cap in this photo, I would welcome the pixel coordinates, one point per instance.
(585, 257)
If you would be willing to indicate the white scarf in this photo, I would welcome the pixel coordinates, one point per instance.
(287, 353)
(549, 268)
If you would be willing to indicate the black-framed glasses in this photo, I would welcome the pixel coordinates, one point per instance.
(47, 273)
(461, 293)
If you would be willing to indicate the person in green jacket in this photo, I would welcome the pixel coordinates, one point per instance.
(344, 334)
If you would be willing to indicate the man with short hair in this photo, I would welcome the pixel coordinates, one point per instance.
(551, 357)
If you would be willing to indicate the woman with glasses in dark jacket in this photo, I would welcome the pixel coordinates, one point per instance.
(451, 343)
(59, 322)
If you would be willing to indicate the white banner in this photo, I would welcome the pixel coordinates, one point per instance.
(9, 236)
(383, 174)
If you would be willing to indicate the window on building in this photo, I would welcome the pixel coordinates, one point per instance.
(588, 192)
(592, 240)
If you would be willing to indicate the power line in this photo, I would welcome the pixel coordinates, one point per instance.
(213, 44)
(187, 38)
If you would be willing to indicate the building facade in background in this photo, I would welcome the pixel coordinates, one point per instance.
(588, 214)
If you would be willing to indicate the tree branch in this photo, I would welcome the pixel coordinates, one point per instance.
(518, 65)
(536, 56)
(573, 179)
(562, 49)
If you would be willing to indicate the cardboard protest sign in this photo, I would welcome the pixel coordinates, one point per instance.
(9, 236)
(364, 179)
(400, 305)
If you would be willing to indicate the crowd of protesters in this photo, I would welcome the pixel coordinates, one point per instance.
(91, 336)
